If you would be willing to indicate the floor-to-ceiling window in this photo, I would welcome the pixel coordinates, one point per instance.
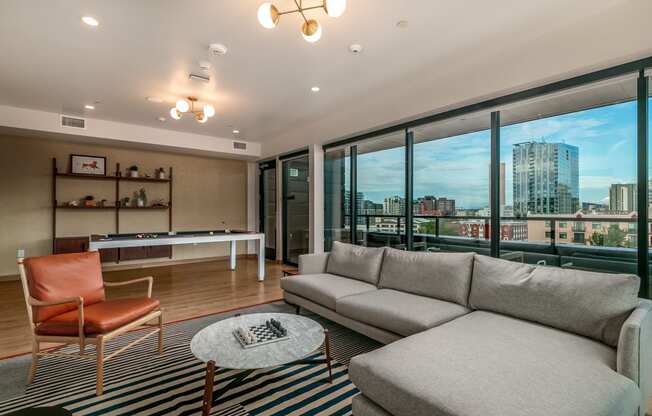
(296, 223)
(380, 191)
(451, 184)
(570, 177)
(268, 207)
(337, 181)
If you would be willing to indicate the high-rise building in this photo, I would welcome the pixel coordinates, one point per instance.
(359, 202)
(501, 186)
(546, 178)
(394, 205)
(622, 197)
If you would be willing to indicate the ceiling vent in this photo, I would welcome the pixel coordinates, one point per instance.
(201, 78)
(239, 145)
(73, 122)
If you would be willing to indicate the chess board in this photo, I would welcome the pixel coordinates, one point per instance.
(263, 336)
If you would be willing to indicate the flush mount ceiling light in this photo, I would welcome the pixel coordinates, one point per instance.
(269, 15)
(182, 107)
(89, 107)
(90, 21)
(314, 89)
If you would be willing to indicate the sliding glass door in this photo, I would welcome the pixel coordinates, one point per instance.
(295, 209)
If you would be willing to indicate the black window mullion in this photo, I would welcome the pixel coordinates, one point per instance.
(409, 189)
(494, 180)
(642, 170)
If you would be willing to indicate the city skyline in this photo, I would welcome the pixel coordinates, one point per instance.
(455, 167)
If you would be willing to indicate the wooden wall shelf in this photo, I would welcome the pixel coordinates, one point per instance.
(82, 207)
(69, 244)
(110, 177)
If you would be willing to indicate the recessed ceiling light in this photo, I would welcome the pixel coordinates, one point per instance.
(89, 107)
(402, 24)
(90, 21)
(154, 99)
(161, 119)
(236, 131)
(314, 89)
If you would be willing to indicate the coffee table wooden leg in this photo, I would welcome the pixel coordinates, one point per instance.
(328, 356)
(208, 388)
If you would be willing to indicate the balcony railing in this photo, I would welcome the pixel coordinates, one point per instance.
(575, 253)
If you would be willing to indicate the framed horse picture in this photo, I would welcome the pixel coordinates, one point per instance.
(88, 165)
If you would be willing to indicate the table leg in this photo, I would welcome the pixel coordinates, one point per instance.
(261, 259)
(233, 255)
(208, 388)
(328, 356)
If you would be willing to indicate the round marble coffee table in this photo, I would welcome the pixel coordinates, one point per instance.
(217, 347)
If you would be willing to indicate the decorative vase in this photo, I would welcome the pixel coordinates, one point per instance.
(140, 203)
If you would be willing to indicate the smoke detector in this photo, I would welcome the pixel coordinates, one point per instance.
(355, 48)
(217, 49)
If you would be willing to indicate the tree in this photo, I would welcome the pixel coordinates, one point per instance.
(596, 239)
(615, 237)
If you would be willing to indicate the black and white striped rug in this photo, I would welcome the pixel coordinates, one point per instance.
(141, 382)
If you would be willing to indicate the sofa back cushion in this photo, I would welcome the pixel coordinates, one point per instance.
(445, 276)
(356, 262)
(591, 304)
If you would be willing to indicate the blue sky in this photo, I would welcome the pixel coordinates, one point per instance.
(458, 167)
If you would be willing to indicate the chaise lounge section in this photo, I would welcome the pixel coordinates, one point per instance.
(473, 335)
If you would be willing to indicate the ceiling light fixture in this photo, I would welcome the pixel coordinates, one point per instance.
(314, 89)
(154, 99)
(236, 131)
(269, 15)
(89, 107)
(90, 21)
(182, 107)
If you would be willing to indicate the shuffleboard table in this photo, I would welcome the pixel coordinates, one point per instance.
(101, 241)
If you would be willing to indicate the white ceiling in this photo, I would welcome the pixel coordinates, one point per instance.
(451, 51)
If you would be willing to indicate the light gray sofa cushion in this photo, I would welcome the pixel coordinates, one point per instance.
(444, 276)
(365, 407)
(324, 289)
(313, 263)
(586, 303)
(356, 262)
(635, 349)
(399, 312)
(485, 364)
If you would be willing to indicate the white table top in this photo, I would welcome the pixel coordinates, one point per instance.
(216, 342)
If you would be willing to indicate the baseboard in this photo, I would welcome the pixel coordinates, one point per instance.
(146, 265)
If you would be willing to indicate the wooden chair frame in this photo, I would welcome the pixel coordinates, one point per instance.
(99, 340)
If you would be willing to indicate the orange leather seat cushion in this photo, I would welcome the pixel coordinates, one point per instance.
(99, 318)
(59, 276)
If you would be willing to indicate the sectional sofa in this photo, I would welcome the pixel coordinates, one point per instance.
(471, 335)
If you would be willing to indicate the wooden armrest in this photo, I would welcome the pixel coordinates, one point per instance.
(78, 300)
(148, 279)
(74, 299)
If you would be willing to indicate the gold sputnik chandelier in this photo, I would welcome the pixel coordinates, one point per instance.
(269, 15)
(182, 107)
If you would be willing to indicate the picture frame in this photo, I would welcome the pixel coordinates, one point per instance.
(88, 165)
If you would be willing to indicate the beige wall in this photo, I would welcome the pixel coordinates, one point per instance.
(206, 191)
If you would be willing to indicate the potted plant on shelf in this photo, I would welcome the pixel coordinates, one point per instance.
(160, 173)
(133, 171)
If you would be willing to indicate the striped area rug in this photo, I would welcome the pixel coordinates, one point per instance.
(141, 382)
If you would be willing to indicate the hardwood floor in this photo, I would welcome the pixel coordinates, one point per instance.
(185, 291)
